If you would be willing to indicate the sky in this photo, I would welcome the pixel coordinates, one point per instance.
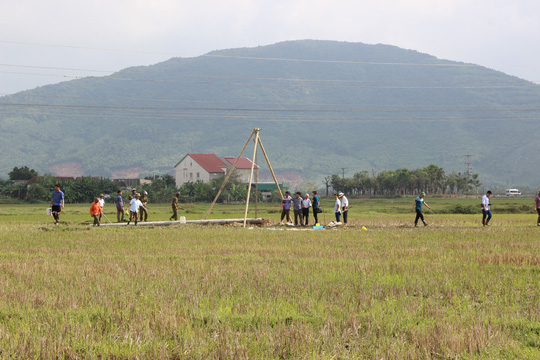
(46, 42)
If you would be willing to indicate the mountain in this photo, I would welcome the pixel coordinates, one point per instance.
(321, 106)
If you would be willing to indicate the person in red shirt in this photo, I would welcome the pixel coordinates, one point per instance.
(95, 211)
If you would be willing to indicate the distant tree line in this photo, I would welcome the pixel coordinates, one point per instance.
(81, 190)
(431, 179)
(86, 188)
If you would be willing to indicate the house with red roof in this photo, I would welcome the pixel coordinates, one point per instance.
(207, 167)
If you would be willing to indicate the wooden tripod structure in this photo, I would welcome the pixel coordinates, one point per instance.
(257, 142)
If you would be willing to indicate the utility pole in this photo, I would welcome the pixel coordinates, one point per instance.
(468, 156)
(343, 173)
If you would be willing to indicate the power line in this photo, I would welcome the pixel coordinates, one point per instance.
(252, 118)
(442, 64)
(529, 85)
(149, 108)
(355, 105)
(123, 71)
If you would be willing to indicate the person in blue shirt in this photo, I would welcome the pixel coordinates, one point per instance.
(119, 207)
(297, 208)
(418, 202)
(286, 207)
(315, 205)
(57, 203)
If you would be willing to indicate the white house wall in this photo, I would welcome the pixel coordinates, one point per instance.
(189, 170)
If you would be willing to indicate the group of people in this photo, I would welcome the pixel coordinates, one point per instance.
(138, 210)
(485, 204)
(137, 206)
(301, 206)
(486, 210)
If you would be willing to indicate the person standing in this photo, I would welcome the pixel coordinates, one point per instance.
(337, 208)
(174, 205)
(134, 206)
(315, 205)
(57, 203)
(344, 207)
(119, 207)
(144, 210)
(297, 208)
(418, 202)
(101, 204)
(132, 195)
(306, 204)
(95, 211)
(286, 207)
(537, 207)
(486, 209)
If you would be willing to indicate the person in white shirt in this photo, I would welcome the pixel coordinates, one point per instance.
(134, 206)
(306, 204)
(337, 208)
(101, 204)
(486, 210)
(344, 207)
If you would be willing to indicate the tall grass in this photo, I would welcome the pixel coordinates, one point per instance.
(450, 290)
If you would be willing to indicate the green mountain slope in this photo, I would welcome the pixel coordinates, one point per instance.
(321, 105)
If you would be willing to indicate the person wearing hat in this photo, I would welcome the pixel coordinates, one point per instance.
(337, 208)
(286, 207)
(174, 204)
(486, 209)
(344, 207)
(144, 210)
(57, 203)
(95, 212)
(132, 195)
(119, 202)
(101, 204)
(418, 202)
(134, 206)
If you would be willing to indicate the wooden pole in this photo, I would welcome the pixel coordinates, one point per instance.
(256, 187)
(270, 166)
(256, 131)
(229, 175)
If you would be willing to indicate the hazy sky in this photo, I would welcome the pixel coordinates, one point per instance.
(500, 34)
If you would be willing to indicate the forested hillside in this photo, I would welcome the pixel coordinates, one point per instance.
(321, 106)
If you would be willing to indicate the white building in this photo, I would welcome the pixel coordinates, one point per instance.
(207, 167)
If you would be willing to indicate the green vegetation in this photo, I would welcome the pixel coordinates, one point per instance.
(162, 190)
(22, 173)
(450, 290)
(405, 182)
(346, 110)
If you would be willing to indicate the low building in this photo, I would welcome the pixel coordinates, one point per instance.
(131, 183)
(266, 188)
(207, 167)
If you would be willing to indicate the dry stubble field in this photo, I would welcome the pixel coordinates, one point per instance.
(446, 291)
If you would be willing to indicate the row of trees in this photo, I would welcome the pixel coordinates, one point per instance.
(234, 191)
(82, 190)
(431, 179)
(85, 189)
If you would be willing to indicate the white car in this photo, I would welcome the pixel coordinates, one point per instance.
(513, 192)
